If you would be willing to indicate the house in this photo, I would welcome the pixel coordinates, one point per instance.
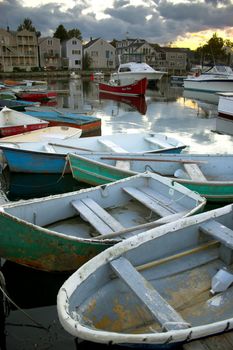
(18, 50)
(102, 54)
(49, 53)
(71, 51)
(173, 60)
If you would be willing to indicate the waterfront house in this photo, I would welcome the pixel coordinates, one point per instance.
(71, 51)
(101, 52)
(49, 53)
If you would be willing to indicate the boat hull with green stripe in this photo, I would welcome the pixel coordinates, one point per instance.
(209, 175)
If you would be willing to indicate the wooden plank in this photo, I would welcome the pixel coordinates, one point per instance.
(218, 231)
(103, 222)
(160, 143)
(195, 172)
(163, 312)
(112, 146)
(214, 342)
(167, 202)
(148, 201)
(103, 214)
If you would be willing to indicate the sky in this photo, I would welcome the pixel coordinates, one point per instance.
(179, 23)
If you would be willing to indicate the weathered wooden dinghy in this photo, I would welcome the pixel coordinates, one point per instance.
(208, 174)
(61, 232)
(49, 157)
(171, 284)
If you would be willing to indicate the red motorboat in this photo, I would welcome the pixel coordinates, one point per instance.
(36, 95)
(136, 89)
(136, 102)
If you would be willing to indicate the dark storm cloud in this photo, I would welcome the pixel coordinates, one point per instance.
(167, 19)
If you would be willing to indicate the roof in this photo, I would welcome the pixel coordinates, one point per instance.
(91, 42)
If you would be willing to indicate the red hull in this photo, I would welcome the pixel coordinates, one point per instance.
(137, 102)
(36, 96)
(90, 129)
(15, 130)
(136, 89)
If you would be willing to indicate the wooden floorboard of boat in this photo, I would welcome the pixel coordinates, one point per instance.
(215, 342)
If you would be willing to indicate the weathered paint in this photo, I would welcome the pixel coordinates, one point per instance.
(42, 249)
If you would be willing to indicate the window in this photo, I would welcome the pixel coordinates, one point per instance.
(77, 62)
(50, 42)
(107, 54)
(76, 52)
(74, 42)
(94, 53)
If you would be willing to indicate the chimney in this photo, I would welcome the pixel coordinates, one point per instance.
(91, 38)
(8, 28)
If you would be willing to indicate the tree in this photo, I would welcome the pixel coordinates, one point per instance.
(213, 51)
(61, 33)
(87, 61)
(26, 25)
(74, 33)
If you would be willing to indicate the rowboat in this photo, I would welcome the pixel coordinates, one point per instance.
(49, 134)
(137, 88)
(61, 232)
(50, 157)
(210, 175)
(13, 122)
(89, 124)
(169, 285)
(16, 104)
(35, 95)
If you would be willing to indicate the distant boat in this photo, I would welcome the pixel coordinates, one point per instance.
(130, 72)
(169, 285)
(136, 102)
(16, 105)
(36, 95)
(60, 233)
(215, 79)
(89, 124)
(50, 157)
(208, 174)
(13, 122)
(137, 88)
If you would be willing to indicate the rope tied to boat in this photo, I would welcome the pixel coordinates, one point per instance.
(63, 171)
(8, 301)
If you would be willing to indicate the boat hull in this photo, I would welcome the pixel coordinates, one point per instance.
(209, 85)
(18, 129)
(136, 89)
(225, 107)
(95, 172)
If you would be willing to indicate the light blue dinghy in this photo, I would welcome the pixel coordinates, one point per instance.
(171, 284)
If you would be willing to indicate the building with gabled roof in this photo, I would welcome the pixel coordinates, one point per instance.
(101, 52)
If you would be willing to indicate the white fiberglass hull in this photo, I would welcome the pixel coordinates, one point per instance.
(129, 77)
(225, 106)
(212, 85)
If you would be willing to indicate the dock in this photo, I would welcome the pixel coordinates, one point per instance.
(215, 342)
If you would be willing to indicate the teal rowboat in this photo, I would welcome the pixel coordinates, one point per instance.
(209, 175)
(59, 233)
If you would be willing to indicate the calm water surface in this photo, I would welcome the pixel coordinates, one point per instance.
(166, 109)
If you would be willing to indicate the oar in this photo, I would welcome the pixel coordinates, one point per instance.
(72, 147)
(154, 159)
(152, 224)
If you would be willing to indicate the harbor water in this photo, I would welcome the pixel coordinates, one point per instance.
(30, 316)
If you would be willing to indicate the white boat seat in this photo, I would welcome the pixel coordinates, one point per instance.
(49, 148)
(112, 146)
(219, 232)
(194, 172)
(160, 143)
(158, 203)
(98, 217)
(161, 310)
(123, 164)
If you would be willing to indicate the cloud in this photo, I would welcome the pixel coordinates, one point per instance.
(158, 21)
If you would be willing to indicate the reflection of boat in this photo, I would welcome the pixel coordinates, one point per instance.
(132, 71)
(177, 79)
(62, 232)
(169, 285)
(201, 96)
(137, 88)
(225, 105)
(137, 102)
(209, 175)
(216, 78)
(74, 75)
(24, 186)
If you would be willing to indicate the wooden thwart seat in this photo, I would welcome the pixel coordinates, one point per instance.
(161, 310)
(98, 217)
(112, 146)
(219, 232)
(194, 172)
(154, 201)
(160, 143)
